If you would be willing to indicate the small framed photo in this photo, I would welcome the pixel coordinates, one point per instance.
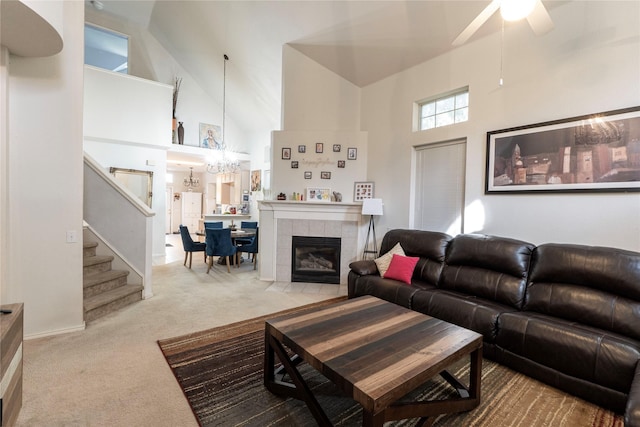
(319, 147)
(352, 153)
(315, 194)
(286, 153)
(363, 190)
(302, 148)
(294, 164)
(325, 175)
(337, 148)
(307, 175)
(341, 163)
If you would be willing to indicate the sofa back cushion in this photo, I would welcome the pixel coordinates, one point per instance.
(429, 246)
(595, 286)
(490, 267)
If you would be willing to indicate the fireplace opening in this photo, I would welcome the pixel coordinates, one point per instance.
(315, 259)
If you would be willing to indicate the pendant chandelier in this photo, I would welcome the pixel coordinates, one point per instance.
(191, 181)
(222, 162)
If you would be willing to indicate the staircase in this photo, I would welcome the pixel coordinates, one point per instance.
(105, 290)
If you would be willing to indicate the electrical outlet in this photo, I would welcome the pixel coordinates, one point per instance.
(72, 236)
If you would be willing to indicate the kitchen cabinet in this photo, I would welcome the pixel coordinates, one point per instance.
(191, 210)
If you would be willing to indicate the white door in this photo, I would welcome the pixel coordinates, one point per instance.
(168, 204)
(439, 178)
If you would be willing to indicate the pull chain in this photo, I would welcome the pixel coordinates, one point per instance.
(501, 82)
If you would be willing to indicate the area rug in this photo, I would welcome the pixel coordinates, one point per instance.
(220, 373)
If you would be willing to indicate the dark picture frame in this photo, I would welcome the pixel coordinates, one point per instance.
(325, 175)
(302, 148)
(286, 153)
(341, 163)
(337, 148)
(307, 175)
(591, 153)
(319, 147)
(352, 153)
(294, 164)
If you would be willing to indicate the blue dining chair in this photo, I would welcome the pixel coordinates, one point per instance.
(250, 248)
(215, 224)
(246, 225)
(219, 243)
(190, 246)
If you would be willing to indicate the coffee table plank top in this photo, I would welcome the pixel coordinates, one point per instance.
(376, 351)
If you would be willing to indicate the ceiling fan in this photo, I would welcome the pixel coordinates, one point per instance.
(511, 10)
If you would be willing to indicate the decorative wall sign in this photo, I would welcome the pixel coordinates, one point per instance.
(352, 153)
(363, 190)
(286, 153)
(599, 152)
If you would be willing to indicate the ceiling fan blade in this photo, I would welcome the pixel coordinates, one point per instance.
(539, 19)
(477, 23)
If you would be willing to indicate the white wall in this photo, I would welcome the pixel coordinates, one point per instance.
(286, 179)
(315, 98)
(127, 125)
(45, 183)
(589, 63)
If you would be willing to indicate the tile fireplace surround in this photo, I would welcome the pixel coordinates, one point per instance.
(282, 219)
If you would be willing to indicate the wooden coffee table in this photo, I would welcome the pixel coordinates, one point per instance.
(376, 352)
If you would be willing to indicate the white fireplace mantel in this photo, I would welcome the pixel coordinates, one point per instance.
(279, 219)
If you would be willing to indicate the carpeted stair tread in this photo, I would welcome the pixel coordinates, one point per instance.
(108, 297)
(87, 245)
(96, 278)
(98, 259)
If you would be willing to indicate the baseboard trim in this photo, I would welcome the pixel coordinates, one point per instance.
(78, 328)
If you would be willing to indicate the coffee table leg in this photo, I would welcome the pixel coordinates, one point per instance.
(372, 420)
(299, 389)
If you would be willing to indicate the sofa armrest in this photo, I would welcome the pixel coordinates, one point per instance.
(364, 267)
(632, 413)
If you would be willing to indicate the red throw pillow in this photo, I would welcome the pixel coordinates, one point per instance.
(401, 268)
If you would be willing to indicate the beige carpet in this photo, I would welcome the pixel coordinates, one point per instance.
(220, 372)
(113, 373)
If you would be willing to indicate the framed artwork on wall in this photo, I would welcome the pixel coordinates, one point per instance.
(363, 190)
(255, 180)
(307, 175)
(341, 163)
(352, 153)
(286, 153)
(210, 136)
(337, 148)
(302, 148)
(319, 147)
(294, 164)
(599, 152)
(325, 175)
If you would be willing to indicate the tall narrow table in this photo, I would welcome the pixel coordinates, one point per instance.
(376, 352)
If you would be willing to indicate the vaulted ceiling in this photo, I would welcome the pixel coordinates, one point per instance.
(362, 41)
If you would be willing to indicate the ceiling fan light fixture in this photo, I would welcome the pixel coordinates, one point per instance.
(514, 10)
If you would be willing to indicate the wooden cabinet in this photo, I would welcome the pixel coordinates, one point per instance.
(191, 210)
(11, 336)
(229, 187)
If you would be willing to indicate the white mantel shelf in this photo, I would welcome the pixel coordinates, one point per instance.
(291, 209)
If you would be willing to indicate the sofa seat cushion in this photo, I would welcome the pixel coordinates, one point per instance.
(387, 289)
(478, 314)
(577, 350)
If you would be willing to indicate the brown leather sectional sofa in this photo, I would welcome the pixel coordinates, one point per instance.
(567, 315)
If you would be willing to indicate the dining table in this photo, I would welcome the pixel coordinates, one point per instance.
(235, 234)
